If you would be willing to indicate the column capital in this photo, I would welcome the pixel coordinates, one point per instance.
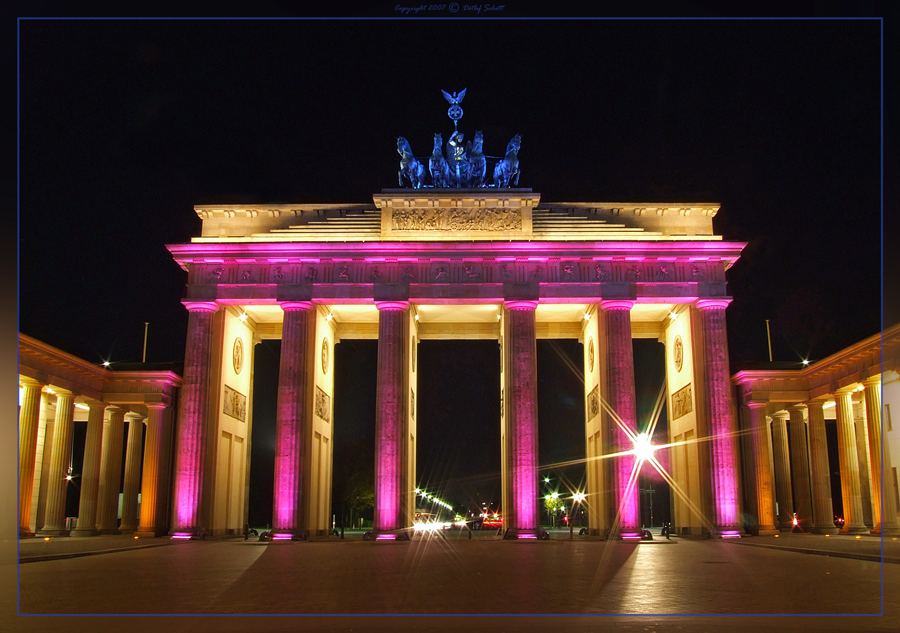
(200, 306)
(872, 381)
(616, 304)
(845, 391)
(131, 415)
(155, 405)
(816, 405)
(116, 410)
(520, 305)
(706, 304)
(781, 415)
(25, 381)
(295, 305)
(392, 305)
(756, 404)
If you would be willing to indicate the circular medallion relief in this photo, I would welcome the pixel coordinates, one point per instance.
(678, 353)
(237, 355)
(325, 355)
(591, 354)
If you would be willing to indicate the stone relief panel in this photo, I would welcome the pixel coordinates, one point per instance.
(456, 220)
(592, 406)
(323, 405)
(234, 404)
(682, 402)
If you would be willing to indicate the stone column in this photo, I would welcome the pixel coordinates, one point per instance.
(390, 415)
(522, 424)
(862, 452)
(785, 500)
(721, 425)
(620, 395)
(765, 500)
(29, 420)
(110, 472)
(850, 491)
(293, 409)
(886, 522)
(90, 472)
(820, 471)
(153, 478)
(132, 484)
(193, 411)
(60, 459)
(800, 467)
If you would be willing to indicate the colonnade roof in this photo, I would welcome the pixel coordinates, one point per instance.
(878, 355)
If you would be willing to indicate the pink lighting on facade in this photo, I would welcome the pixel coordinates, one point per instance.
(291, 411)
(386, 537)
(181, 536)
(721, 424)
(191, 438)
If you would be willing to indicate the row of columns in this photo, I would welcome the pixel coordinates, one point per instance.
(802, 483)
(101, 470)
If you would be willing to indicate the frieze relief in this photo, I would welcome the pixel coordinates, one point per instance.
(682, 402)
(234, 404)
(593, 403)
(491, 220)
(427, 270)
(323, 405)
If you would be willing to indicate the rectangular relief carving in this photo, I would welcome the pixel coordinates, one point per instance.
(235, 404)
(456, 220)
(323, 405)
(593, 403)
(682, 402)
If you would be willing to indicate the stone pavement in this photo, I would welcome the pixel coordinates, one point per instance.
(681, 582)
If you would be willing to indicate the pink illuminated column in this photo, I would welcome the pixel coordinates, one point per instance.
(849, 460)
(823, 511)
(390, 415)
(191, 433)
(880, 462)
(29, 415)
(765, 498)
(293, 409)
(153, 478)
(110, 472)
(800, 467)
(522, 423)
(720, 421)
(620, 394)
(90, 472)
(60, 459)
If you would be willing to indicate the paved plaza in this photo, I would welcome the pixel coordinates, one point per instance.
(447, 574)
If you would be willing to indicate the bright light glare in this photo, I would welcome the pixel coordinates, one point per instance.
(643, 448)
(243, 317)
(805, 361)
(106, 363)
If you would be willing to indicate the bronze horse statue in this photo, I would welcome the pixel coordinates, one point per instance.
(477, 161)
(507, 169)
(437, 165)
(409, 165)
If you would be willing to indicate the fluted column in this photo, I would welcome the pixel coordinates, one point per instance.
(800, 467)
(820, 471)
(620, 394)
(293, 409)
(60, 459)
(721, 425)
(153, 480)
(390, 415)
(110, 472)
(783, 496)
(29, 420)
(765, 499)
(90, 472)
(882, 499)
(193, 411)
(522, 422)
(132, 484)
(862, 453)
(849, 460)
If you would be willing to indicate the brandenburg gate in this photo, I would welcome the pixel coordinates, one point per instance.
(452, 263)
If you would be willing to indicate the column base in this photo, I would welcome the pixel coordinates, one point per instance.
(855, 529)
(764, 530)
(52, 533)
(886, 531)
(825, 530)
(85, 532)
(26, 533)
(277, 536)
(188, 534)
(150, 532)
(386, 535)
(109, 531)
(127, 530)
(728, 532)
(516, 534)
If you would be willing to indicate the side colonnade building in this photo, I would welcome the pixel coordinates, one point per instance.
(56, 390)
(452, 264)
(783, 417)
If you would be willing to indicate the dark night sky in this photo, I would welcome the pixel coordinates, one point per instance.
(125, 125)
